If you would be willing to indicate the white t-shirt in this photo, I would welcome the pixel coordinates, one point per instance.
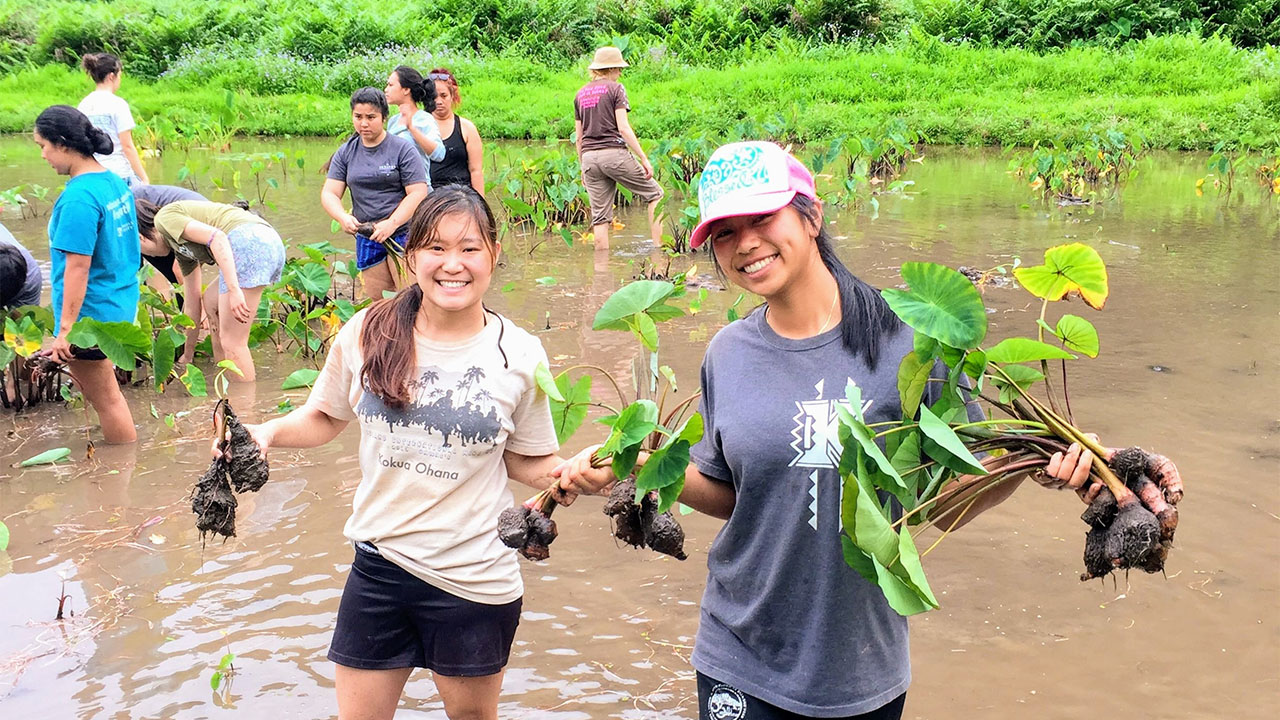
(433, 479)
(108, 111)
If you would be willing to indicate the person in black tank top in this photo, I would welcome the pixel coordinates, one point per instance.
(463, 162)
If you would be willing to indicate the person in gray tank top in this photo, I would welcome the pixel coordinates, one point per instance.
(787, 628)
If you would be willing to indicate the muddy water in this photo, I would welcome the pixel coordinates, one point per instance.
(1189, 367)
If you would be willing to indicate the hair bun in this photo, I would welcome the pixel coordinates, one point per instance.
(99, 140)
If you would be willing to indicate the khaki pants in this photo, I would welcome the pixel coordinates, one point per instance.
(604, 170)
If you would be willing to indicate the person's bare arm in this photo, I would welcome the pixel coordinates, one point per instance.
(131, 154)
(331, 201)
(577, 136)
(475, 154)
(306, 427)
(220, 247)
(538, 472)
(192, 306)
(75, 281)
(708, 496)
(413, 196)
(428, 143)
(633, 144)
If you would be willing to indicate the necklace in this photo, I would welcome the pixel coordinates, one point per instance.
(830, 313)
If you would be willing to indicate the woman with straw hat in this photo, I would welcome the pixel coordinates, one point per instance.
(608, 150)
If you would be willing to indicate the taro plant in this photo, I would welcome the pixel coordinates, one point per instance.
(1070, 170)
(649, 420)
(896, 475)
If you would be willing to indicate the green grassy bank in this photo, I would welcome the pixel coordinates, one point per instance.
(1178, 91)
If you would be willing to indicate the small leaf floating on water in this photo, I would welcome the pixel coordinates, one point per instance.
(48, 457)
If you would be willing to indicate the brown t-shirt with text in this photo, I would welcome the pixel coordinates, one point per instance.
(594, 106)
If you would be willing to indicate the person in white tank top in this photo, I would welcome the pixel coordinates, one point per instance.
(110, 113)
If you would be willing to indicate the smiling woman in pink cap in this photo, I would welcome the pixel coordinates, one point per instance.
(788, 630)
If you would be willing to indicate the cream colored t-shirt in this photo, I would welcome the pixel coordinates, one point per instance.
(433, 479)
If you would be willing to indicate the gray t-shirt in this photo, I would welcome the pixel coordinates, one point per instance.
(783, 617)
(29, 293)
(377, 175)
(161, 195)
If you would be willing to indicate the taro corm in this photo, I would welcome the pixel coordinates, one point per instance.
(241, 466)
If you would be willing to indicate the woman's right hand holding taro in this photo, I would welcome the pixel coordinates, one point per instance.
(349, 224)
(261, 435)
(578, 475)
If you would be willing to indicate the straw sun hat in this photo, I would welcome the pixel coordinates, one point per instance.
(607, 57)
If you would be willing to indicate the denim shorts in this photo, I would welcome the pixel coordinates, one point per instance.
(389, 618)
(370, 253)
(258, 254)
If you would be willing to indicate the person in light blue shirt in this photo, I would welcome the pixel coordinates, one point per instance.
(407, 90)
(94, 253)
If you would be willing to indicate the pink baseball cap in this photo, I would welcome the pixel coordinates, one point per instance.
(748, 178)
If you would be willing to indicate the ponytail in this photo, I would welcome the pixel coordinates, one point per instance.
(67, 127)
(388, 345)
(422, 91)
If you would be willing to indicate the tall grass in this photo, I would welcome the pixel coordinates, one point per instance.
(1179, 92)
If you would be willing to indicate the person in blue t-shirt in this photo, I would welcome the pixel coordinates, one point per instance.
(93, 241)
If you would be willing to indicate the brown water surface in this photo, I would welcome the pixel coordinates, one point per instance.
(1189, 367)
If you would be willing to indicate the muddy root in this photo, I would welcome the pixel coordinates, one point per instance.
(642, 525)
(241, 467)
(213, 502)
(529, 530)
(1130, 538)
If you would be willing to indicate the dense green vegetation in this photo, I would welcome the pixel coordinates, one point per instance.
(1180, 74)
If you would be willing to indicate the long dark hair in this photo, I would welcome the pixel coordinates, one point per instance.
(146, 216)
(865, 317)
(67, 127)
(386, 339)
(422, 91)
(100, 65)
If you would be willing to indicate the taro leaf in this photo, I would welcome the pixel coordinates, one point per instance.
(6, 355)
(567, 236)
(545, 280)
(941, 303)
(1078, 334)
(645, 331)
(48, 457)
(942, 434)
(23, 337)
(863, 434)
(909, 566)
(631, 427)
(925, 347)
(690, 432)
(1023, 376)
(4, 537)
(913, 378)
(569, 415)
(300, 378)
(664, 472)
(343, 309)
(518, 207)
(902, 597)
(667, 373)
(624, 461)
(162, 349)
(546, 383)
(1075, 267)
(856, 559)
(119, 341)
(313, 279)
(663, 312)
(906, 458)
(193, 379)
(631, 299)
(1017, 350)
(975, 364)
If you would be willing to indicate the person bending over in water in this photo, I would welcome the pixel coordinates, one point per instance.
(248, 253)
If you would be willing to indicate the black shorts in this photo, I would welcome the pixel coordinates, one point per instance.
(389, 618)
(720, 701)
(80, 353)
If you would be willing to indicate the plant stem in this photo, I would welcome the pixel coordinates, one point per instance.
(621, 397)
